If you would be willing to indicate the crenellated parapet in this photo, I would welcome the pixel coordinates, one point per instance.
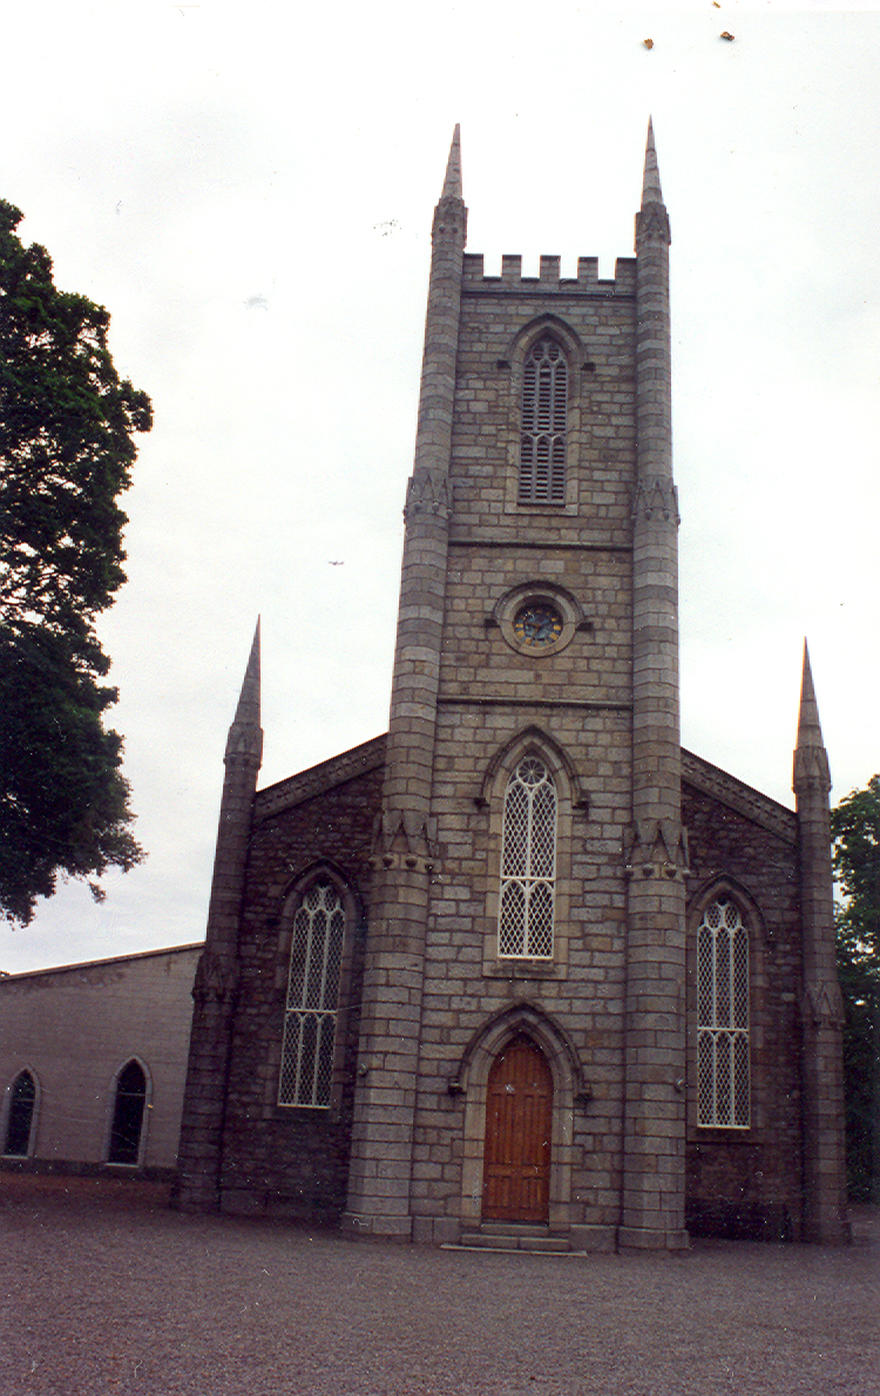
(548, 280)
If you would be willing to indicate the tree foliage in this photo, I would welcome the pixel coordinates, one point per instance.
(66, 450)
(855, 828)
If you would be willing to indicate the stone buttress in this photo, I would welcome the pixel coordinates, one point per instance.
(654, 1122)
(405, 853)
(821, 1003)
(216, 983)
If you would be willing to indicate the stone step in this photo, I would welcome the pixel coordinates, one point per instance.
(545, 1244)
(499, 1237)
(515, 1228)
(485, 1241)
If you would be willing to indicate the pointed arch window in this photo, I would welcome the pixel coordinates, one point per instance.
(19, 1123)
(312, 1006)
(723, 1093)
(128, 1114)
(528, 863)
(544, 424)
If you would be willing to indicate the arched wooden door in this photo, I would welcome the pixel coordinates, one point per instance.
(516, 1158)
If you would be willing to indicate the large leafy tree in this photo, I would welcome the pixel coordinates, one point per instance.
(66, 450)
(855, 827)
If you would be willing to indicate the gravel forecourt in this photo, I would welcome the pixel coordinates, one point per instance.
(107, 1291)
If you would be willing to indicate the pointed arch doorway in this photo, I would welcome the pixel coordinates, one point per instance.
(519, 1121)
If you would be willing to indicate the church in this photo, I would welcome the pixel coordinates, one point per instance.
(522, 972)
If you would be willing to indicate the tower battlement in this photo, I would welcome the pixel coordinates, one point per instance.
(548, 278)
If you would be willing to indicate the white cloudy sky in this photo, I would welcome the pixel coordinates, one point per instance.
(249, 190)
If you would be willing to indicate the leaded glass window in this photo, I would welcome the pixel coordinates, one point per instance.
(528, 863)
(312, 998)
(22, 1099)
(544, 424)
(723, 1018)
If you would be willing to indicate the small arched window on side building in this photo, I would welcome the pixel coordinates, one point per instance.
(723, 1071)
(544, 423)
(20, 1120)
(312, 1005)
(129, 1104)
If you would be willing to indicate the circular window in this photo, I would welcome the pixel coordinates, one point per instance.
(538, 618)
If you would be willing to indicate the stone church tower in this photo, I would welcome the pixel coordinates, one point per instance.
(472, 980)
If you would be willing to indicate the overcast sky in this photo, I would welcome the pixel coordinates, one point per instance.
(249, 191)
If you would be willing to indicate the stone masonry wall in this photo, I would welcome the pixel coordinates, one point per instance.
(280, 1158)
(748, 1183)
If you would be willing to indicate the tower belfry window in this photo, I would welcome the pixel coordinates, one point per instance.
(544, 424)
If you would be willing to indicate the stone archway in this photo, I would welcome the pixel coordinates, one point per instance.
(564, 1086)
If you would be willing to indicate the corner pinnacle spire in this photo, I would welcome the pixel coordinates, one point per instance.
(245, 734)
(809, 730)
(651, 191)
(810, 757)
(452, 183)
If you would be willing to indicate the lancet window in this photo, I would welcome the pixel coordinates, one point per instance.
(528, 862)
(310, 1018)
(723, 1017)
(544, 424)
(22, 1099)
(128, 1114)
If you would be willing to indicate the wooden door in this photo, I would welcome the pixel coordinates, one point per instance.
(516, 1159)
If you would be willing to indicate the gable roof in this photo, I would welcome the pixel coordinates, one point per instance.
(370, 756)
(720, 785)
(193, 948)
(316, 780)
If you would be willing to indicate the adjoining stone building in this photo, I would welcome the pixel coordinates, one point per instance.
(523, 965)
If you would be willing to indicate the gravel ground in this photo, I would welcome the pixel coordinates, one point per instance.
(107, 1291)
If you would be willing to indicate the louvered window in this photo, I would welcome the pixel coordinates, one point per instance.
(528, 863)
(312, 998)
(723, 1018)
(544, 422)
